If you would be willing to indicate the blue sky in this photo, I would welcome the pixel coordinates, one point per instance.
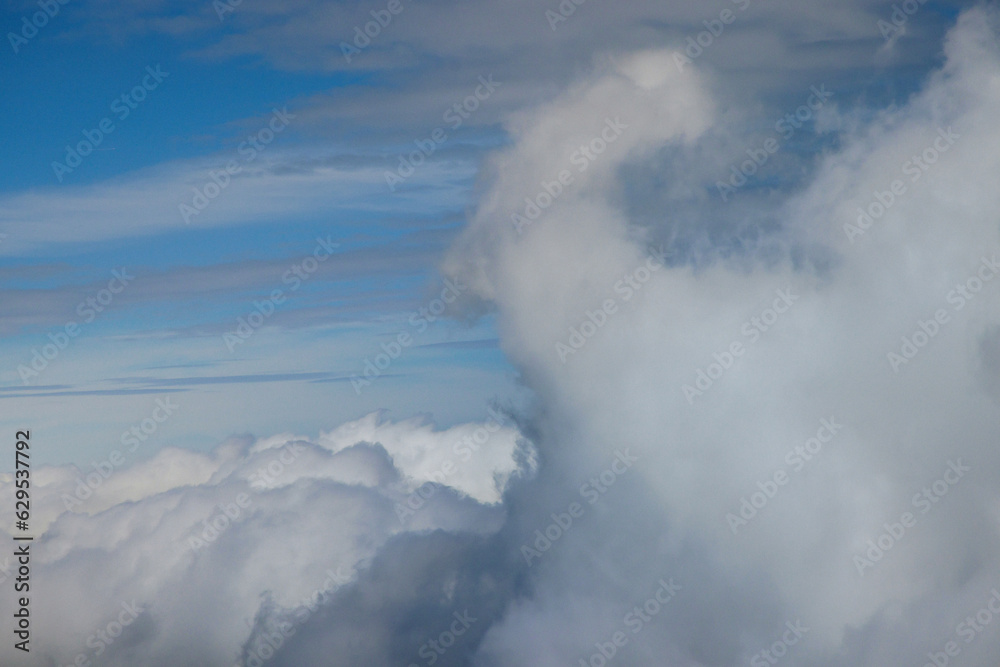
(193, 282)
(323, 175)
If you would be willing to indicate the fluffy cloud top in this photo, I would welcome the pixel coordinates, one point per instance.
(209, 546)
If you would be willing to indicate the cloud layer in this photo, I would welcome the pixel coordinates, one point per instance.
(217, 550)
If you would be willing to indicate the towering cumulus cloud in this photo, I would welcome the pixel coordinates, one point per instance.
(782, 454)
(814, 421)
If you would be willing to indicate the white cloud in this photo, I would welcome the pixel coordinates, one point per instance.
(196, 540)
(827, 357)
